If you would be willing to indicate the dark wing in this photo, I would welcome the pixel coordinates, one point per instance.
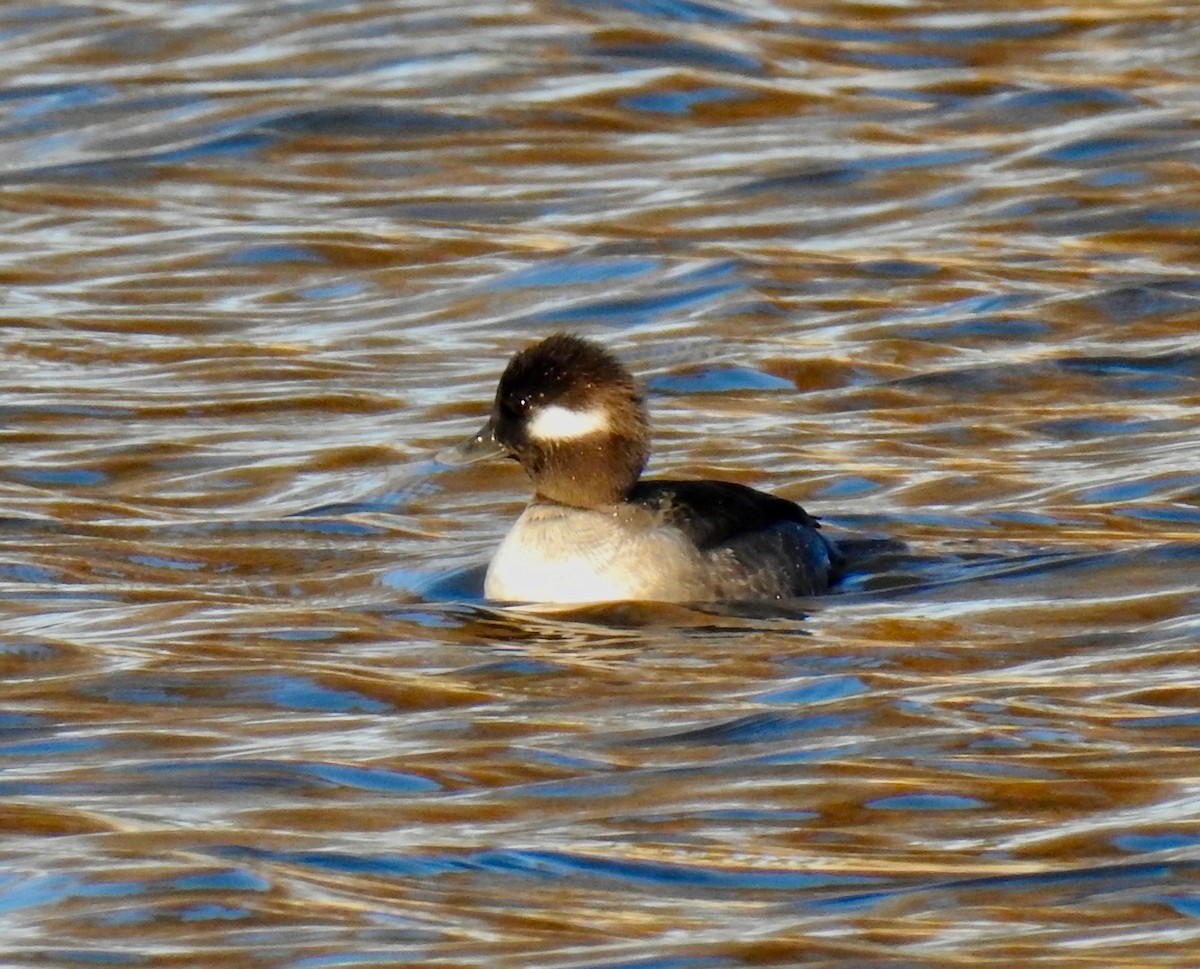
(710, 513)
(757, 546)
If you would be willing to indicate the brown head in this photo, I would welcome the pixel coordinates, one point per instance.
(573, 416)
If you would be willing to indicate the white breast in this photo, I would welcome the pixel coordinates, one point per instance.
(556, 554)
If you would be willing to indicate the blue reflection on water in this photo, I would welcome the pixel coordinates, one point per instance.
(1188, 905)
(923, 159)
(900, 62)
(1142, 843)
(562, 864)
(298, 693)
(849, 487)
(717, 380)
(1167, 297)
(229, 879)
(59, 476)
(159, 562)
(397, 866)
(1071, 98)
(53, 747)
(334, 290)
(994, 30)
(565, 272)
(552, 865)
(634, 310)
(926, 802)
(21, 891)
(991, 327)
(514, 667)
(807, 181)
(1179, 514)
(821, 690)
(1087, 149)
(692, 54)
(754, 728)
(372, 779)
(94, 957)
(285, 692)
(285, 775)
(899, 268)
(21, 572)
(1085, 881)
(1107, 179)
(1143, 488)
(1085, 428)
(241, 143)
(265, 255)
(211, 911)
(1164, 720)
(688, 11)
(679, 102)
(1188, 217)
(21, 723)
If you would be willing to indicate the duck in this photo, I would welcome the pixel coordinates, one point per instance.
(574, 418)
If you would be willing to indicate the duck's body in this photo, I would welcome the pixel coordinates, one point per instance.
(572, 416)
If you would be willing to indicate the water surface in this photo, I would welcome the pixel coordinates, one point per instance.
(930, 272)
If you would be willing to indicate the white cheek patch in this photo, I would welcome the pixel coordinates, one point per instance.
(555, 423)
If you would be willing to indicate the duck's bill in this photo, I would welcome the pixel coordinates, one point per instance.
(479, 447)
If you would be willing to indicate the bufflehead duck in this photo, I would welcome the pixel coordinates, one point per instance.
(574, 418)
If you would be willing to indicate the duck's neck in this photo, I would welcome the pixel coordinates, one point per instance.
(596, 476)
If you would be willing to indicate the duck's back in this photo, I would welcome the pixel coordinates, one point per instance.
(756, 545)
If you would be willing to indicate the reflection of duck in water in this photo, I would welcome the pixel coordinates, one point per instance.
(573, 417)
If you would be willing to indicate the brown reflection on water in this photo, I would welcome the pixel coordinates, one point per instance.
(929, 272)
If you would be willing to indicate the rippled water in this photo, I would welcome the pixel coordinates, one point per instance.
(930, 271)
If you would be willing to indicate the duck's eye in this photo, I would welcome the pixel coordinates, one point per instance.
(511, 408)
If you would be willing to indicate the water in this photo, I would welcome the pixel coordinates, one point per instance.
(930, 272)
